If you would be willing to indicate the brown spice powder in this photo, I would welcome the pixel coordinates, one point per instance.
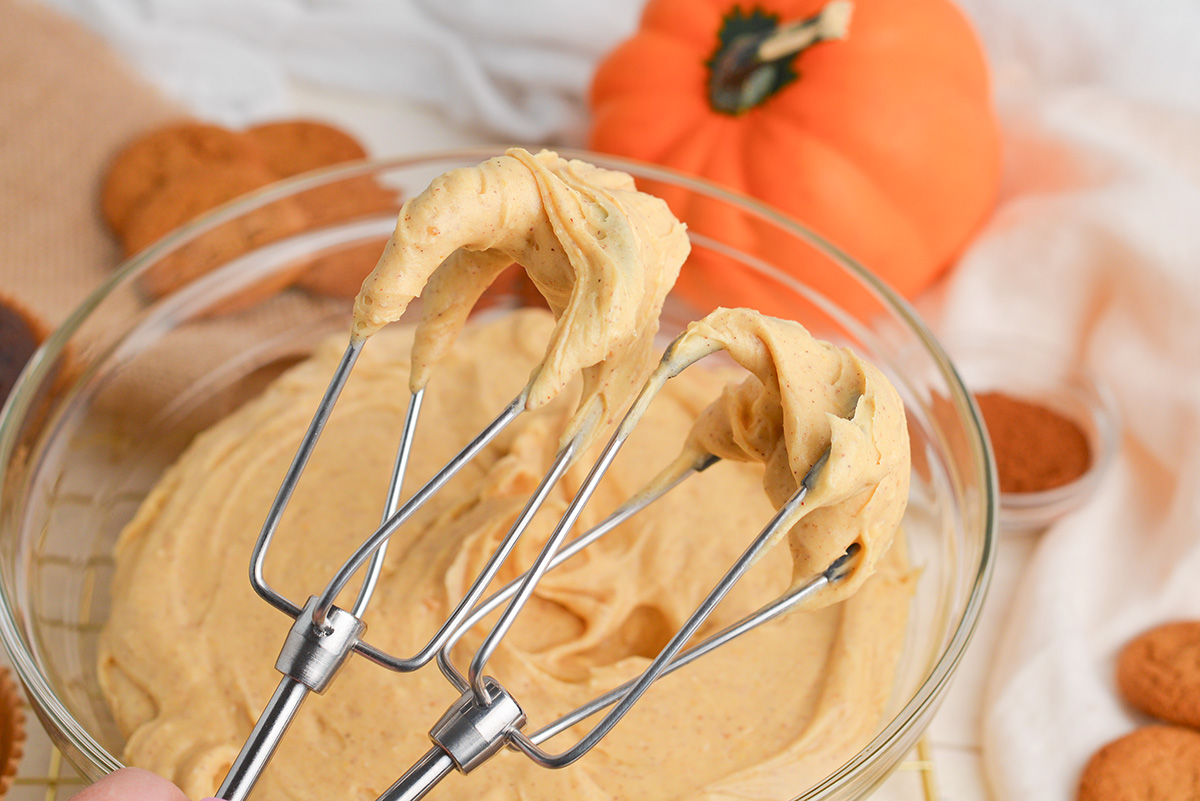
(1036, 448)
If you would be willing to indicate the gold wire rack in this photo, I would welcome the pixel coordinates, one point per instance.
(58, 781)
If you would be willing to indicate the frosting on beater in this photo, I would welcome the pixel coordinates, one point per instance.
(603, 254)
(805, 397)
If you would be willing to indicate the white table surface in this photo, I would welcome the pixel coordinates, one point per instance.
(949, 765)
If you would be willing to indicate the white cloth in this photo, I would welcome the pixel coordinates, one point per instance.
(513, 68)
(520, 68)
(1094, 247)
(1095, 250)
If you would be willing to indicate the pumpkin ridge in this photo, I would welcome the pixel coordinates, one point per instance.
(912, 235)
(659, 66)
(612, 134)
(730, 140)
(686, 136)
(701, 150)
(892, 187)
(836, 148)
(688, 21)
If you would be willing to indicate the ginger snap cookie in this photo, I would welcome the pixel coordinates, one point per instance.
(158, 157)
(187, 196)
(190, 195)
(296, 146)
(291, 147)
(1150, 763)
(171, 176)
(340, 274)
(1158, 672)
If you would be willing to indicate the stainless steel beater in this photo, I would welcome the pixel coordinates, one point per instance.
(486, 718)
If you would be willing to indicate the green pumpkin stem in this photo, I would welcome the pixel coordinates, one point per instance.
(755, 54)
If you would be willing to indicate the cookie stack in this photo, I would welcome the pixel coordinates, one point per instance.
(172, 175)
(1158, 673)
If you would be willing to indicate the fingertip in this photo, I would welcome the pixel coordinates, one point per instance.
(131, 784)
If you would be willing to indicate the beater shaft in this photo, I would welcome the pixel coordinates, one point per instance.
(309, 659)
(321, 638)
(264, 739)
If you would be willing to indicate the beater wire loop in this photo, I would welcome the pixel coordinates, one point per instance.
(292, 478)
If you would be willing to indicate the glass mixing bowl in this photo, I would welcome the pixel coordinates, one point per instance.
(152, 358)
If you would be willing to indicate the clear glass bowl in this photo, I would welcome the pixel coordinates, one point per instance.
(79, 449)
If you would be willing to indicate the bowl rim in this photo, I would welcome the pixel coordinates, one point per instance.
(928, 694)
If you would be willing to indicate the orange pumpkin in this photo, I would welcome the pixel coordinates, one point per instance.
(884, 142)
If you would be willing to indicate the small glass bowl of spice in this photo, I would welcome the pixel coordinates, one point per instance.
(1053, 426)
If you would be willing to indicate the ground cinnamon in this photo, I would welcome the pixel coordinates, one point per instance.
(1036, 448)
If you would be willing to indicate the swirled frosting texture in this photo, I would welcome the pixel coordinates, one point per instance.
(603, 254)
(804, 398)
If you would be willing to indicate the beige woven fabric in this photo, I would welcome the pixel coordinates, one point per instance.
(67, 105)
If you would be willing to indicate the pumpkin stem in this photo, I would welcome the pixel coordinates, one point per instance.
(832, 22)
(754, 54)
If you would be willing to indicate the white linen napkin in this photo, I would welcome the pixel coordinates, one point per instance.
(1095, 250)
(519, 69)
(516, 69)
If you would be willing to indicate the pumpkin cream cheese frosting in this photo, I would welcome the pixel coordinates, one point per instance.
(186, 659)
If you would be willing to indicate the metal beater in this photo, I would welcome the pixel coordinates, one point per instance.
(486, 718)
